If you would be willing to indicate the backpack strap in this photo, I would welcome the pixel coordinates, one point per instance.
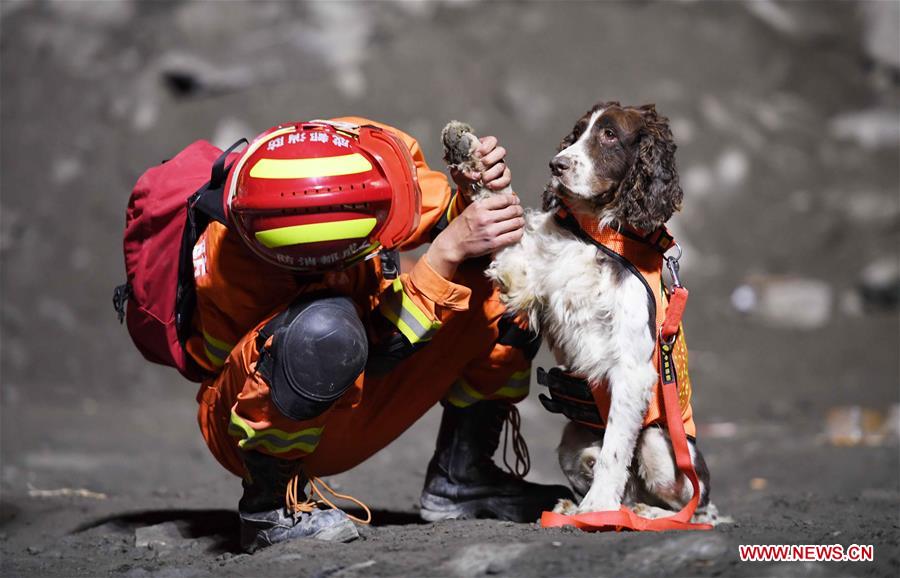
(210, 199)
(202, 207)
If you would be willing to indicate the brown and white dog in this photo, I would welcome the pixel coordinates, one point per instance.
(618, 166)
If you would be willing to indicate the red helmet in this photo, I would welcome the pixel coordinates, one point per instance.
(321, 195)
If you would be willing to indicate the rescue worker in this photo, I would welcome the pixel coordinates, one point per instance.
(322, 358)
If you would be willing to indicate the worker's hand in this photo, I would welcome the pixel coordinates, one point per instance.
(495, 175)
(483, 227)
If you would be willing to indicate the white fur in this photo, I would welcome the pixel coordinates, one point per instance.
(596, 325)
(656, 466)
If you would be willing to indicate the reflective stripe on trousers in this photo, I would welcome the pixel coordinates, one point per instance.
(462, 394)
(273, 440)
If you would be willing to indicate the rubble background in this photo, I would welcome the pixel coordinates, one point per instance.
(787, 118)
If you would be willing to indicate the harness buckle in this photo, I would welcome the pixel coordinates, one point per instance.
(121, 294)
(674, 267)
(670, 341)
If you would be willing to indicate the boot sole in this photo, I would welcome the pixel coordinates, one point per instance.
(436, 509)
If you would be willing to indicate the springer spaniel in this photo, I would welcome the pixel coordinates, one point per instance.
(616, 167)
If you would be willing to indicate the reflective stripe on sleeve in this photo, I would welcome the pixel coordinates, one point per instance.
(518, 386)
(216, 350)
(462, 394)
(403, 312)
(273, 439)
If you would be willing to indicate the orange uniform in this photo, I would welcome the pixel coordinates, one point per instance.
(454, 325)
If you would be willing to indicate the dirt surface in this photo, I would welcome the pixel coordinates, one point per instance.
(787, 120)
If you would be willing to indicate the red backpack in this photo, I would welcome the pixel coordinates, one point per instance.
(170, 207)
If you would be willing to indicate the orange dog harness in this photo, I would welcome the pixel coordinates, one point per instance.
(588, 404)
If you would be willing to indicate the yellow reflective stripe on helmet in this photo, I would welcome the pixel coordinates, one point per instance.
(518, 385)
(403, 312)
(273, 439)
(463, 395)
(216, 350)
(248, 152)
(316, 232)
(312, 167)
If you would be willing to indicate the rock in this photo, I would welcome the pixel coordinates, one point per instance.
(163, 536)
(758, 484)
(187, 75)
(528, 101)
(785, 302)
(773, 15)
(65, 170)
(879, 284)
(876, 128)
(342, 36)
(679, 552)
(479, 559)
(868, 208)
(99, 14)
(795, 570)
(743, 299)
(852, 425)
(229, 131)
(58, 312)
(880, 39)
(697, 181)
(793, 19)
(729, 172)
(732, 168)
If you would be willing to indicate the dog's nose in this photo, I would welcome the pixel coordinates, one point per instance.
(560, 164)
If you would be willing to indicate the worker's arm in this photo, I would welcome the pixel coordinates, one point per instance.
(416, 304)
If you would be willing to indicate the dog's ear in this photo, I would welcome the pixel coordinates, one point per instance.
(650, 192)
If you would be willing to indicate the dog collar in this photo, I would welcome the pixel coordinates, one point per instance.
(659, 240)
(644, 250)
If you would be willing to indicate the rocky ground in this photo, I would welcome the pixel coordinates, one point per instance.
(786, 115)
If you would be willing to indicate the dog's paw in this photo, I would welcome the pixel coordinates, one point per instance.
(710, 515)
(590, 504)
(566, 507)
(651, 512)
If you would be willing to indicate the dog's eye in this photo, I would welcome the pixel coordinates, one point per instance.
(609, 134)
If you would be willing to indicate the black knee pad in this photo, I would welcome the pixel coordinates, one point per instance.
(317, 353)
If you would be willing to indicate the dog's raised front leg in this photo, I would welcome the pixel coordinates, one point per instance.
(631, 384)
(510, 270)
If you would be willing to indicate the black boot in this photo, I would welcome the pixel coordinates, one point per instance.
(462, 480)
(264, 513)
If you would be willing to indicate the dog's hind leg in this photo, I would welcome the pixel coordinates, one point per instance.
(661, 483)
